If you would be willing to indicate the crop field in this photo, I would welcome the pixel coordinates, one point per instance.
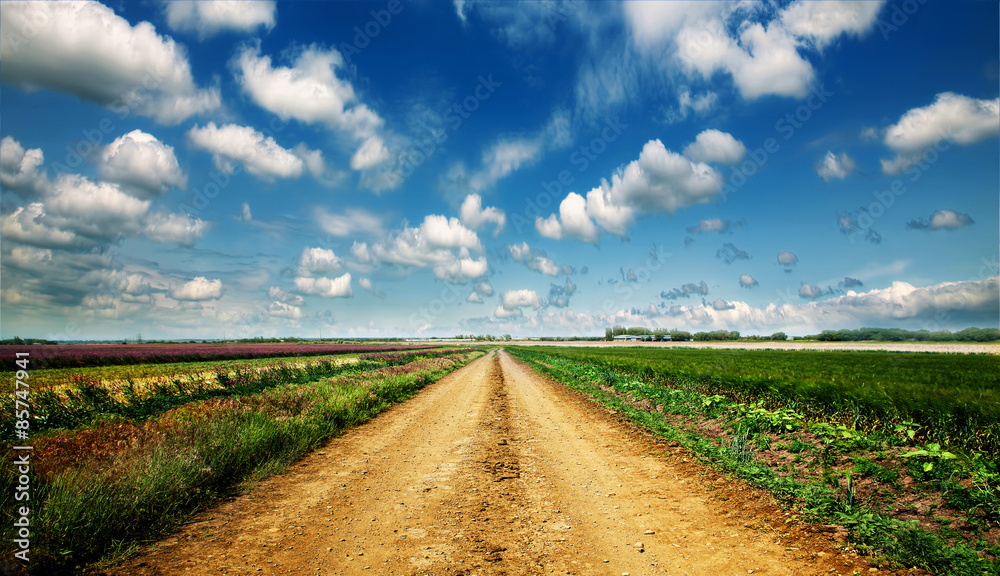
(86, 355)
(124, 453)
(902, 450)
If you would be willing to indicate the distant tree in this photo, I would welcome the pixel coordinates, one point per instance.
(680, 335)
(18, 341)
(780, 336)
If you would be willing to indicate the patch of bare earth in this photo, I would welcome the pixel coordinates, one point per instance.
(494, 470)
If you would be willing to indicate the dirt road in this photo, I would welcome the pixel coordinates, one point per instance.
(494, 470)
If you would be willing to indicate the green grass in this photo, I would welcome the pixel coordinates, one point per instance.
(951, 399)
(199, 453)
(824, 470)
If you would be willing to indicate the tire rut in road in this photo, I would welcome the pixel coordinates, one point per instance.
(490, 502)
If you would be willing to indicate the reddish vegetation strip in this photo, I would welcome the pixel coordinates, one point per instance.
(81, 355)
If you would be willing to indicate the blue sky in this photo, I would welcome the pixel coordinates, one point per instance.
(538, 168)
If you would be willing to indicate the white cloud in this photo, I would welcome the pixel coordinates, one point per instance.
(747, 281)
(279, 295)
(822, 22)
(474, 298)
(19, 168)
(326, 287)
(573, 221)
(209, 17)
(177, 228)
(715, 146)
(198, 289)
(283, 310)
(352, 221)
(365, 283)
(952, 117)
(942, 220)
(787, 259)
(95, 209)
(439, 243)
(442, 232)
(371, 153)
(659, 181)
(475, 216)
(143, 165)
(810, 291)
(512, 301)
(28, 224)
(260, 155)
(319, 260)
(85, 49)
(950, 304)
(245, 214)
(835, 166)
(308, 91)
(764, 60)
(536, 261)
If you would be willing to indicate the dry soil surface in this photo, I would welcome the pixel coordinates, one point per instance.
(495, 470)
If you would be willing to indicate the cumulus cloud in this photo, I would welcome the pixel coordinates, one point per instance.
(512, 301)
(210, 18)
(787, 260)
(942, 220)
(536, 260)
(260, 155)
(835, 166)
(952, 118)
(659, 181)
(277, 294)
(198, 289)
(19, 168)
(822, 22)
(309, 91)
(759, 49)
(339, 287)
(572, 221)
(86, 50)
(319, 260)
(810, 291)
(176, 228)
(474, 216)
(245, 214)
(715, 146)
(142, 165)
(73, 211)
(747, 281)
(284, 310)
(951, 305)
(440, 243)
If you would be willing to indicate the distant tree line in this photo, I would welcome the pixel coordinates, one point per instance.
(900, 335)
(684, 336)
(18, 341)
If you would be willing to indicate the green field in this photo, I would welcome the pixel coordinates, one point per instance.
(954, 399)
(902, 449)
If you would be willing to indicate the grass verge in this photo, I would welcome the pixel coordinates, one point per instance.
(903, 505)
(143, 478)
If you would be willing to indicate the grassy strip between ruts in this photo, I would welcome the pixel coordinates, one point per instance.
(928, 510)
(105, 502)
